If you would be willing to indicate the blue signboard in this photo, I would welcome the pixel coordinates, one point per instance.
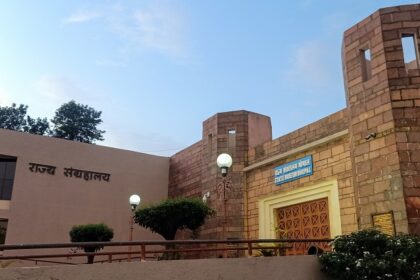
(293, 170)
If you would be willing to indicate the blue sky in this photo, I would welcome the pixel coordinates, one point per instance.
(157, 69)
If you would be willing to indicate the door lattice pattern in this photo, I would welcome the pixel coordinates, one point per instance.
(304, 221)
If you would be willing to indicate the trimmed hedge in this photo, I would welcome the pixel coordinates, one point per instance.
(166, 217)
(91, 233)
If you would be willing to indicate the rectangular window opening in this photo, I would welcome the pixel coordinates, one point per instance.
(231, 140)
(367, 54)
(410, 51)
(3, 230)
(7, 175)
(366, 58)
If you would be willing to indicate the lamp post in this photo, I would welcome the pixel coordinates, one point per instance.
(224, 162)
(134, 201)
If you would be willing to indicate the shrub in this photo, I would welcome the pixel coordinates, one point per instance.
(91, 233)
(170, 215)
(370, 254)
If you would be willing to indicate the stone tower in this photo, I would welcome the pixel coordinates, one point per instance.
(193, 171)
(382, 81)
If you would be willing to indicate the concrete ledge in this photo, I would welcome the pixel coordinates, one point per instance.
(285, 268)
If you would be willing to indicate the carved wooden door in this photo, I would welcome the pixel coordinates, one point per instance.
(308, 220)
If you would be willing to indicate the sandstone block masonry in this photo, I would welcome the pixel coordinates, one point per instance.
(370, 148)
(331, 160)
(383, 93)
(193, 171)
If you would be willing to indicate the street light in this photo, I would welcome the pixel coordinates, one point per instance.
(134, 201)
(224, 162)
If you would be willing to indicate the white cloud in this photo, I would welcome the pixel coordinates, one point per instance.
(49, 92)
(112, 62)
(58, 88)
(161, 29)
(305, 3)
(82, 16)
(335, 23)
(158, 27)
(5, 99)
(149, 143)
(309, 64)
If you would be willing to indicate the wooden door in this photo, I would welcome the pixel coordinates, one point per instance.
(304, 221)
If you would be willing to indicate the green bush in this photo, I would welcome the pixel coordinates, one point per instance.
(91, 233)
(370, 254)
(170, 215)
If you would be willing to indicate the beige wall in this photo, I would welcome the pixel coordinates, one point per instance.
(44, 207)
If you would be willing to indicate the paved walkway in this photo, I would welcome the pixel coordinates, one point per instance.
(284, 268)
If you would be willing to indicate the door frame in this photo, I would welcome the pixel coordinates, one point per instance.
(268, 205)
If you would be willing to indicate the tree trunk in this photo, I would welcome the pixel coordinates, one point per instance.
(90, 250)
(170, 255)
(90, 259)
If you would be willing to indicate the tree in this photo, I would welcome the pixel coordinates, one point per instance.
(72, 121)
(91, 233)
(167, 217)
(13, 117)
(37, 126)
(77, 122)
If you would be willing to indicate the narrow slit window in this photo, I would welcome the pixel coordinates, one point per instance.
(409, 51)
(231, 139)
(366, 64)
(210, 145)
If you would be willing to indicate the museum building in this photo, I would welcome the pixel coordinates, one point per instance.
(354, 169)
